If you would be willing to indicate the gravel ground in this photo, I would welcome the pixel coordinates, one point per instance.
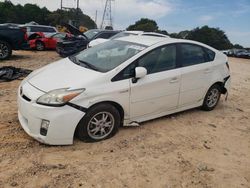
(188, 149)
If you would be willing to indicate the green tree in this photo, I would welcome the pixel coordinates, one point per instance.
(10, 13)
(237, 46)
(211, 36)
(144, 24)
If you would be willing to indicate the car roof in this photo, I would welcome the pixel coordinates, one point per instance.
(103, 30)
(134, 32)
(37, 26)
(146, 40)
(152, 40)
(154, 34)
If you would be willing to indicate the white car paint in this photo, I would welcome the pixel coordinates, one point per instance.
(158, 94)
(133, 33)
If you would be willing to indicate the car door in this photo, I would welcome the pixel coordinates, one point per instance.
(158, 91)
(54, 39)
(196, 73)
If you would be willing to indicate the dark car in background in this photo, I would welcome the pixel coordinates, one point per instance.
(12, 37)
(80, 41)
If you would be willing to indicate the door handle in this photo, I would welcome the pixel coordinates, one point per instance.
(173, 80)
(207, 70)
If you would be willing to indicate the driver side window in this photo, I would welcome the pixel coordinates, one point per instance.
(160, 59)
(157, 60)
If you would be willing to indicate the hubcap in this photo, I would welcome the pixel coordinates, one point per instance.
(100, 125)
(39, 46)
(3, 50)
(213, 97)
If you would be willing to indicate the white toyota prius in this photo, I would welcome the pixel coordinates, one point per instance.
(120, 83)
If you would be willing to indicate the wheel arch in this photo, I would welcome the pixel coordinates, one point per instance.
(115, 104)
(7, 40)
(37, 41)
(223, 90)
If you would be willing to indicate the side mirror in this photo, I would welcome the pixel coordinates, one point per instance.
(140, 72)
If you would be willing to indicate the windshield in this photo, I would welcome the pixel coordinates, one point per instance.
(91, 33)
(122, 34)
(107, 56)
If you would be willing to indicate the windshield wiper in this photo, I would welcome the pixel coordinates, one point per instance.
(86, 64)
(90, 66)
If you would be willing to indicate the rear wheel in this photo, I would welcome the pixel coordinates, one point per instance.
(5, 50)
(40, 46)
(212, 98)
(100, 122)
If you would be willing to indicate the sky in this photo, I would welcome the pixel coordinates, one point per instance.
(232, 16)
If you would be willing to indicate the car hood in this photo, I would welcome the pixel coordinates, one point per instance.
(62, 74)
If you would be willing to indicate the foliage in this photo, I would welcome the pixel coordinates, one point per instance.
(144, 24)
(237, 46)
(211, 36)
(10, 13)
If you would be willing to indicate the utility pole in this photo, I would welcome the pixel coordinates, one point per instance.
(107, 21)
(69, 8)
(77, 13)
(96, 17)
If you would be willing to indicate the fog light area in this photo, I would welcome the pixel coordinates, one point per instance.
(44, 127)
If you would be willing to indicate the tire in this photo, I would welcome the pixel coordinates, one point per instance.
(40, 46)
(212, 98)
(5, 50)
(100, 122)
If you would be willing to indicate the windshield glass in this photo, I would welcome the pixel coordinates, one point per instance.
(107, 56)
(91, 33)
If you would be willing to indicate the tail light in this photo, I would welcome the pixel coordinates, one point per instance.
(227, 65)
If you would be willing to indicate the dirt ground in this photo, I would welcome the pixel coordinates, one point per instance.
(188, 149)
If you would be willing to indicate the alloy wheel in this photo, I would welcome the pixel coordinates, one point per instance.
(213, 97)
(100, 125)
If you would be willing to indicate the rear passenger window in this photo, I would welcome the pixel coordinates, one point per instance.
(49, 30)
(42, 29)
(35, 29)
(192, 55)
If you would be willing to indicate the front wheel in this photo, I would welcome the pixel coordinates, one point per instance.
(5, 50)
(100, 122)
(212, 98)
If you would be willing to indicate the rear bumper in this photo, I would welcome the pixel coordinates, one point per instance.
(227, 82)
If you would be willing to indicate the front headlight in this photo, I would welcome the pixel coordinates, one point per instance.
(58, 97)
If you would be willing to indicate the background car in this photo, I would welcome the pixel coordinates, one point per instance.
(12, 37)
(98, 90)
(124, 34)
(49, 41)
(242, 54)
(31, 29)
(78, 43)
